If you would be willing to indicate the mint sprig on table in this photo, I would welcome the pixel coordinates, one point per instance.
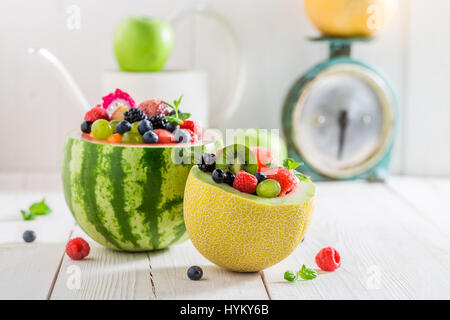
(304, 273)
(177, 117)
(36, 209)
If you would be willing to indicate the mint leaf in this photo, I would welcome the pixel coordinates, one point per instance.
(174, 119)
(40, 208)
(271, 165)
(300, 175)
(27, 215)
(291, 164)
(184, 116)
(307, 273)
(290, 276)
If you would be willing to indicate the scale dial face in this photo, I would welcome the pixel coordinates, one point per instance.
(343, 121)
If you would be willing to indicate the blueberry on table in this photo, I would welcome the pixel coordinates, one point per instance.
(195, 273)
(218, 176)
(29, 236)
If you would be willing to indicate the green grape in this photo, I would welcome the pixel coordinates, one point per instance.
(101, 129)
(113, 124)
(134, 127)
(268, 188)
(132, 137)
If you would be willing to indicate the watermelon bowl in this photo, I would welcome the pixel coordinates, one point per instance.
(130, 197)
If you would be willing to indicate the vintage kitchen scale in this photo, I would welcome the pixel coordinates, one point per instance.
(340, 118)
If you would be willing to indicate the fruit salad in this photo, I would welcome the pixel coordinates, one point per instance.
(119, 120)
(252, 170)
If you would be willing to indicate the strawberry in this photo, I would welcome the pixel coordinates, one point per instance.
(245, 182)
(164, 136)
(264, 157)
(191, 125)
(96, 113)
(285, 177)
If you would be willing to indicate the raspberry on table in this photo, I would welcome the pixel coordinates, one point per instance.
(328, 259)
(245, 182)
(77, 249)
(96, 113)
(285, 177)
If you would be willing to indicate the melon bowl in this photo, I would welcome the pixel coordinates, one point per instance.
(243, 232)
(129, 197)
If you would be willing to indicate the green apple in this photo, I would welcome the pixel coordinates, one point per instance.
(268, 139)
(142, 44)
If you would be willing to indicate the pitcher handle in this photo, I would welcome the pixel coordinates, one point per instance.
(239, 77)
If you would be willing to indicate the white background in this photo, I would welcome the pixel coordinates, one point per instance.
(36, 108)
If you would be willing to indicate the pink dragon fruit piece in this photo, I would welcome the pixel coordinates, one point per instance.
(154, 106)
(116, 99)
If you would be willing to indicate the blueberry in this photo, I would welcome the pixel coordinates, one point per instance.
(150, 137)
(29, 236)
(181, 136)
(195, 273)
(144, 126)
(86, 127)
(218, 175)
(122, 127)
(207, 162)
(229, 178)
(260, 176)
(172, 127)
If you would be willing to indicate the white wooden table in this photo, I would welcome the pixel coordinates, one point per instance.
(394, 240)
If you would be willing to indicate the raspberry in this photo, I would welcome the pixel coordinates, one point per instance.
(245, 182)
(96, 113)
(264, 156)
(191, 125)
(285, 177)
(154, 106)
(77, 249)
(328, 259)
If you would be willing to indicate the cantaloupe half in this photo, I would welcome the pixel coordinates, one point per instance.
(244, 232)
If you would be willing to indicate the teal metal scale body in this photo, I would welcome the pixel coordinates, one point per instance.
(340, 118)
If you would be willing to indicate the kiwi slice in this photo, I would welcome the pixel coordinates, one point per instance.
(237, 157)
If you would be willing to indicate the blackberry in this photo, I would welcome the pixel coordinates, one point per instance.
(207, 162)
(134, 115)
(195, 273)
(159, 121)
(229, 178)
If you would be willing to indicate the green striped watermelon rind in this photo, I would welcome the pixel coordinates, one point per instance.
(129, 197)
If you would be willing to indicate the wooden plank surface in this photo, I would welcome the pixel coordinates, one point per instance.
(393, 239)
(27, 270)
(389, 249)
